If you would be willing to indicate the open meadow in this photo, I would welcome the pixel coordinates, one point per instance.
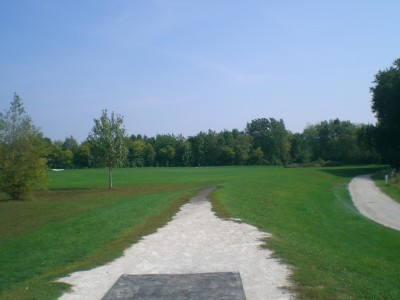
(334, 252)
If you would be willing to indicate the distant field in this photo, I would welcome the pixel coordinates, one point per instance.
(78, 223)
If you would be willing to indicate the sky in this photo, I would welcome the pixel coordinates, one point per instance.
(185, 66)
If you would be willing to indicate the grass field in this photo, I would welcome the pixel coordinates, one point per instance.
(392, 189)
(335, 253)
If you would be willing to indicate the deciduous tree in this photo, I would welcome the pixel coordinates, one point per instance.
(386, 106)
(83, 157)
(108, 137)
(22, 151)
(271, 136)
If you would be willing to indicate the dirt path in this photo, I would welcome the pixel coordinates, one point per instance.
(374, 204)
(195, 241)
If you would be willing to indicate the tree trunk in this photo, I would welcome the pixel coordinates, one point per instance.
(110, 177)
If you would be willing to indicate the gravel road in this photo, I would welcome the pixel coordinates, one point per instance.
(195, 241)
(374, 204)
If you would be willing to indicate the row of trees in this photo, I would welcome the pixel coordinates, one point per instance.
(263, 142)
(25, 153)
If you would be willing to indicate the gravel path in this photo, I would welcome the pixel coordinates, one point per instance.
(374, 204)
(195, 241)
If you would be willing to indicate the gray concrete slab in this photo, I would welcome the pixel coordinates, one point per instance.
(219, 285)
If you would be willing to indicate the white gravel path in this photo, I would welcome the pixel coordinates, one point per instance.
(195, 241)
(374, 204)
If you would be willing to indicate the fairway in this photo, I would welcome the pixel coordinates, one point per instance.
(335, 253)
(196, 241)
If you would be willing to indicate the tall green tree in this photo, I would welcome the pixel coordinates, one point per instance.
(366, 141)
(70, 143)
(22, 151)
(183, 152)
(164, 144)
(198, 149)
(59, 158)
(149, 155)
(136, 152)
(83, 156)
(386, 106)
(108, 138)
(242, 144)
(272, 137)
(300, 152)
(335, 141)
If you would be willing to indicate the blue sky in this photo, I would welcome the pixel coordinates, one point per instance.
(182, 67)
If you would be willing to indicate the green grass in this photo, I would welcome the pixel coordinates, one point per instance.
(77, 224)
(392, 189)
(335, 252)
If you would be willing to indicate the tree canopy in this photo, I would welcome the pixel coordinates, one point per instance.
(108, 138)
(271, 137)
(386, 106)
(22, 163)
(265, 141)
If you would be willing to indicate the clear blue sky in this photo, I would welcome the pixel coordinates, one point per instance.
(186, 66)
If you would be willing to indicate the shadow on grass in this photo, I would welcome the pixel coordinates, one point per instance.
(39, 193)
(352, 171)
(67, 189)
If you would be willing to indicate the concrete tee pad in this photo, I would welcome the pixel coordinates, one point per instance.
(221, 285)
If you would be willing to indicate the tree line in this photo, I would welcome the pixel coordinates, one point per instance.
(25, 153)
(264, 141)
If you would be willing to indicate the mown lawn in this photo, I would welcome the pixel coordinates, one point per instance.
(392, 189)
(335, 253)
